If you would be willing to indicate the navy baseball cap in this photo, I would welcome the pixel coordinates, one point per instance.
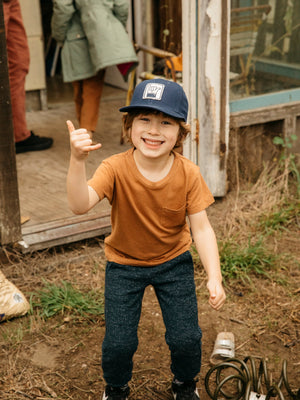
(160, 95)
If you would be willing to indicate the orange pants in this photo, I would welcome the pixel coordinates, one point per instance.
(87, 96)
(18, 65)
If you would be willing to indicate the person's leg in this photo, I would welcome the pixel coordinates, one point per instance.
(91, 97)
(18, 60)
(18, 63)
(77, 93)
(175, 290)
(124, 290)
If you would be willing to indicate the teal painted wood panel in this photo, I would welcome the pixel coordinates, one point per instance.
(277, 68)
(265, 100)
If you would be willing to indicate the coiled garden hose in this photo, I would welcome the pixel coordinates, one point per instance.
(235, 379)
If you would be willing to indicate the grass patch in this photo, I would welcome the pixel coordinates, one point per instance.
(288, 160)
(65, 299)
(240, 262)
(12, 334)
(280, 219)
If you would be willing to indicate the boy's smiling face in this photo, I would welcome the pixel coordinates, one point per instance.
(154, 135)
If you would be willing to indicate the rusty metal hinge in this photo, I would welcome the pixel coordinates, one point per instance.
(223, 148)
(197, 124)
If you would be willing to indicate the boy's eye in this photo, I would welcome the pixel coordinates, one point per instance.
(166, 122)
(144, 119)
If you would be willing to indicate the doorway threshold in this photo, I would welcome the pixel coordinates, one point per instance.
(63, 231)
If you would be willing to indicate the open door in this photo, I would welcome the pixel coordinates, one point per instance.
(205, 27)
(205, 39)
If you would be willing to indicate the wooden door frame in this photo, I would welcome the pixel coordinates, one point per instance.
(205, 43)
(10, 222)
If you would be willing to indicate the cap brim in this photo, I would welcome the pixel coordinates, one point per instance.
(170, 112)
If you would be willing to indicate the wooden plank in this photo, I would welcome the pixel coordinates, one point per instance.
(210, 90)
(63, 222)
(66, 230)
(280, 98)
(224, 84)
(264, 114)
(290, 70)
(290, 125)
(190, 76)
(10, 224)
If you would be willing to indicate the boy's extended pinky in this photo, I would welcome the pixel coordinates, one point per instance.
(94, 147)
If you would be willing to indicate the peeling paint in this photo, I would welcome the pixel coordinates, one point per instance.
(215, 143)
(210, 42)
(202, 77)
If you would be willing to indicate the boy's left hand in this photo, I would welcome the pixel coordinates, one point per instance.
(217, 294)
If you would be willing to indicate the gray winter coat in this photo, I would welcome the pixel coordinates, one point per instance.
(93, 36)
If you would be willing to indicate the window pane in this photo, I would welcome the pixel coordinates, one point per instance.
(264, 47)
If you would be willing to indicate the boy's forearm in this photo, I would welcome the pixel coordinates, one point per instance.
(207, 248)
(77, 187)
(206, 245)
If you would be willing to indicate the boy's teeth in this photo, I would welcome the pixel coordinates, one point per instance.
(152, 141)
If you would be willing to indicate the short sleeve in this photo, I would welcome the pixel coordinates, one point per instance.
(103, 181)
(199, 196)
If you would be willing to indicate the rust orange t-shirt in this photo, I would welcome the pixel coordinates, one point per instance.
(148, 219)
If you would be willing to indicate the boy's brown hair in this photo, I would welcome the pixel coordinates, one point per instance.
(127, 120)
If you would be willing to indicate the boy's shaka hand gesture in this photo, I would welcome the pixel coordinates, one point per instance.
(80, 142)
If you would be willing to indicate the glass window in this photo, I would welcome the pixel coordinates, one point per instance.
(264, 47)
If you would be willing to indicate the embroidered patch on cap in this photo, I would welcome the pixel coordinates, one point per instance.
(153, 91)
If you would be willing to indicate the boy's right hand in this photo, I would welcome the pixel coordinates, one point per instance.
(80, 142)
(217, 294)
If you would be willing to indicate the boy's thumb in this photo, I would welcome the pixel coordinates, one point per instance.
(70, 126)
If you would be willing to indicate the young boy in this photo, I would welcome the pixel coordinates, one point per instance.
(151, 190)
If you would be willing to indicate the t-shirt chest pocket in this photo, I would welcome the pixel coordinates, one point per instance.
(172, 218)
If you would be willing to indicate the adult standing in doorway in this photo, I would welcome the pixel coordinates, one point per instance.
(93, 36)
(18, 65)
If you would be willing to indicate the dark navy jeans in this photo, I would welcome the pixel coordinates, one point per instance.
(173, 282)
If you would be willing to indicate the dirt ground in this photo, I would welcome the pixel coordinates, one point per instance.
(60, 358)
